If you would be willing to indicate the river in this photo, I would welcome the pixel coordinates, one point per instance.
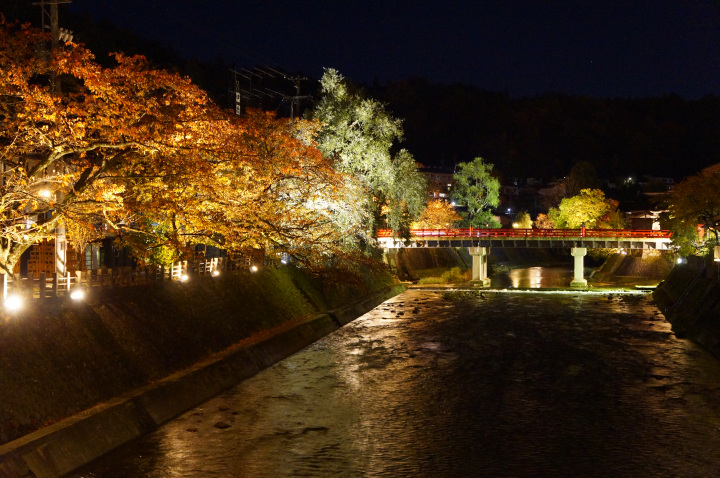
(436, 383)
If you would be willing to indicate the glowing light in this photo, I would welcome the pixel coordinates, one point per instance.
(215, 273)
(77, 294)
(45, 193)
(13, 302)
(184, 278)
(680, 260)
(254, 268)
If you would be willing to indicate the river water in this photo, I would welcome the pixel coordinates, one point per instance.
(436, 383)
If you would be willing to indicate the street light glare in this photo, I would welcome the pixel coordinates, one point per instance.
(13, 303)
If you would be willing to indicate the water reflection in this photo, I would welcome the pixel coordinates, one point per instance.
(533, 278)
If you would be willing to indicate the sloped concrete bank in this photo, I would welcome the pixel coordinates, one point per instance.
(639, 267)
(109, 324)
(690, 300)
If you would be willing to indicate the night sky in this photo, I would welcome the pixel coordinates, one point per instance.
(595, 48)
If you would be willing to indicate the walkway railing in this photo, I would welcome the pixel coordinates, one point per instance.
(54, 285)
(534, 233)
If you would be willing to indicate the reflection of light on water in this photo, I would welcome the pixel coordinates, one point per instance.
(535, 274)
(514, 276)
(531, 277)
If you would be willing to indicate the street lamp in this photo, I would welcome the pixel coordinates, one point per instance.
(13, 303)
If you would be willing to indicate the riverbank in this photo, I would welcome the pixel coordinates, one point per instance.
(690, 300)
(123, 358)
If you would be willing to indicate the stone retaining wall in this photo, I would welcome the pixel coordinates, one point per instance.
(64, 446)
(690, 300)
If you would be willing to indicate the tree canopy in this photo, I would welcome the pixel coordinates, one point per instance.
(692, 203)
(358, 135)
(144, 153)
(438, 214)
(590, 209)
(478, 191)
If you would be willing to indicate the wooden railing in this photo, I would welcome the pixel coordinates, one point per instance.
(54, 285)
(533, 233)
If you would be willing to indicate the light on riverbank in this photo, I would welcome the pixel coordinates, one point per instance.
(13, 303)
(77, 294)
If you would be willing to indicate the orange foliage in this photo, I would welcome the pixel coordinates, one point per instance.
(146, 149)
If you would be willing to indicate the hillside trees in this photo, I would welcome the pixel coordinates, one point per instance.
(477, 190)
(694, 202)
(358, 135)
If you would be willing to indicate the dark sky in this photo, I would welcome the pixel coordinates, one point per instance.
(600, 48)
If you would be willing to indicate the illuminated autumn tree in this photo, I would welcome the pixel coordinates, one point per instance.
(542, 221)
(589, 208)
(437, 215)
(144, 154)
(85, 154)
(694, 202)
(275, 190)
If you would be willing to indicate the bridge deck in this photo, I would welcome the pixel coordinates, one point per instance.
(530, 238)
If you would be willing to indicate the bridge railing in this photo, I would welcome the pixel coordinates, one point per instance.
(533, 233)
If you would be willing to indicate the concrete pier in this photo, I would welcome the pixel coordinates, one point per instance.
(578, 254)
(479, 266)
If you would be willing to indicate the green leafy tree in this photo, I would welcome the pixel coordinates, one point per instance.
(477, 190)
(694, 202)
(589, 208)
(358, 133)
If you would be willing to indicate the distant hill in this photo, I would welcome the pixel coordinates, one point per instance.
(545, 135)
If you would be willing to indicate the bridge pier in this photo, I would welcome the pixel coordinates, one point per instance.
(479, 266)
(578, 276)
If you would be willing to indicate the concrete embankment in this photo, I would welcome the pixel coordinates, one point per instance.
(122, 364)
(638, 267)
(690, 300)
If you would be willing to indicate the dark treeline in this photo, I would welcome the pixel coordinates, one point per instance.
(545, 135)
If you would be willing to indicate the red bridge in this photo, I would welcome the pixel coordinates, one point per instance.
(479, 241)
(474, 237)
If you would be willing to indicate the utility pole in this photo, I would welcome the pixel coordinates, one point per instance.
(49, 19)
(52, 16)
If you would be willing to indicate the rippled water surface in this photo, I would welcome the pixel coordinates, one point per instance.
(488, 384)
